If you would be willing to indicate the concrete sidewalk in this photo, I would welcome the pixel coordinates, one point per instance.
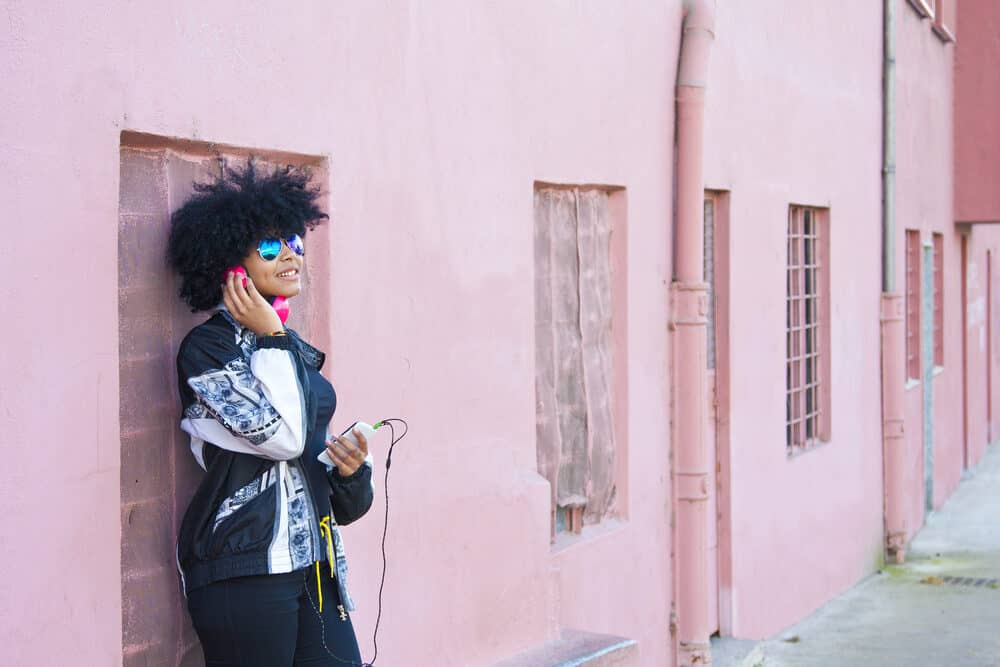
(942, 608)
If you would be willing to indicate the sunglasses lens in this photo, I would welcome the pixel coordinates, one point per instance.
(269, 249)
(295, 243)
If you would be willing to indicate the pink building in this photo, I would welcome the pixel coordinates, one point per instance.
(620, 265)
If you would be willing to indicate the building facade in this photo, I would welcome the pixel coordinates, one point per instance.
(620, 266)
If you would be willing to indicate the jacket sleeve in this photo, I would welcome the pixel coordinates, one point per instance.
(253, 408)
(351, 496)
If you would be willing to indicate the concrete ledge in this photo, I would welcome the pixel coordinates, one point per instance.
(579, 649)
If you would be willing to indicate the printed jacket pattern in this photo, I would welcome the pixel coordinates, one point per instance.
(265, 505)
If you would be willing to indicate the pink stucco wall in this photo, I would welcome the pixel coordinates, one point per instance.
(980, 433)
(793, 118)
(924, 203)
(437, 120)
(977, 136)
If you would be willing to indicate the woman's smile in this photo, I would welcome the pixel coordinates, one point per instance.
(278, 277)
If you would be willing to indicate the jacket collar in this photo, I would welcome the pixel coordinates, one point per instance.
(247, 340)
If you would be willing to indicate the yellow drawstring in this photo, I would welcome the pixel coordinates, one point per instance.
(325, 531)
(319, 587)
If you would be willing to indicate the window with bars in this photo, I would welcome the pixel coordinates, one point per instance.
(912, 304)
(807, 365)
(939, 300)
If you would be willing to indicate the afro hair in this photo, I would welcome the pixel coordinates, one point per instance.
(223, 220)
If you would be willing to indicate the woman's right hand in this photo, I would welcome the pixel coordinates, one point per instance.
(248, 307)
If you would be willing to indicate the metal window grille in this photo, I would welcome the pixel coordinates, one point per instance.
(803, 368)
(939, 300)
(912, 304)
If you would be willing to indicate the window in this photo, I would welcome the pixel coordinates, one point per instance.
(912, 304)
(939, 300)
(708, 268)
(807, 365)
(574, 352)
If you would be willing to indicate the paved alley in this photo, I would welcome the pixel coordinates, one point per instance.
(941, 608)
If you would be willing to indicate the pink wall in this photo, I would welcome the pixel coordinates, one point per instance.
(793, 118)
(779, 133)
(924, 203)
(979, 432)
(977, 93)
(437, 121)
(976, 171)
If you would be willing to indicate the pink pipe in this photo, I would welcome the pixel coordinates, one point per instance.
(692, 74)
(692, 458)
(893, 454)
(893, 325)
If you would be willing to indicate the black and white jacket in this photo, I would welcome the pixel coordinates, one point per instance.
(265, 505)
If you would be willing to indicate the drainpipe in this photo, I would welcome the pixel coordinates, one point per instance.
(893, 309)
(692, 460)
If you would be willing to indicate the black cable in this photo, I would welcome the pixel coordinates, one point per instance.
(385, 531)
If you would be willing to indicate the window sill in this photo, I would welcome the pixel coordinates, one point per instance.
(910, 384)
(937, 371)
(592, 533)
(796, 452)
(922, 8)
(944, 33)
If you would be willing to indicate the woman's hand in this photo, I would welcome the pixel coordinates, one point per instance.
(248, 307)
(347, 456)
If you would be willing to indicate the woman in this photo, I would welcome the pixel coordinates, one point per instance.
(259, 552)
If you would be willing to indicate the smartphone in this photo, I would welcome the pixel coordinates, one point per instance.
(366, 430)
(279, 303)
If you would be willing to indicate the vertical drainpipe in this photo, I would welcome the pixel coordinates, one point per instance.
(692, 459)
(893, 309)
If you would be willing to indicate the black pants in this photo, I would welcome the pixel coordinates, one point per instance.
(273, 621)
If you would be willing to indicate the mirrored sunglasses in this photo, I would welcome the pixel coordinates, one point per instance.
(269, 249)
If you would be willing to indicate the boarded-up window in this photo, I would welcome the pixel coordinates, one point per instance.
(573, 353)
